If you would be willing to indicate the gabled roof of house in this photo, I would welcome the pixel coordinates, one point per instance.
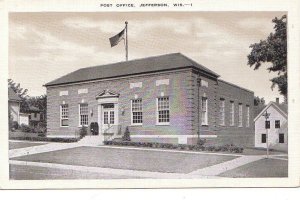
(12, 96)
(281, 108)
(134, 67)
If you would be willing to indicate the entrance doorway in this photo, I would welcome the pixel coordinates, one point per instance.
(108, 116)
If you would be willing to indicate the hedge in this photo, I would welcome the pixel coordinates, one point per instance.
(225, 148)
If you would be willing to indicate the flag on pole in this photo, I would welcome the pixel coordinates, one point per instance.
(117, 38)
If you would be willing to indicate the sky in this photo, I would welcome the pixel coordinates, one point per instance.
(45, 46)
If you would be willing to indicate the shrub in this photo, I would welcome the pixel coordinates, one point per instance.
(25, 128)
(224, 148)
(201, 142)
(14, 125)
(126, 136)
(83, 131)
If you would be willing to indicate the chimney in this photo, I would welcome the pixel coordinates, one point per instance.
(277, 100)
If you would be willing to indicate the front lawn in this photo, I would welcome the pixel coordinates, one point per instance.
(157, 161)
(260, 169)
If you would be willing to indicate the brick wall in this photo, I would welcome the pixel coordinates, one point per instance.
(178, 91)
(226, 133)
(184, 112)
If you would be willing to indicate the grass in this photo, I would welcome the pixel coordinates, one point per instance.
(260, 169)
(18, 145)
(129, 159)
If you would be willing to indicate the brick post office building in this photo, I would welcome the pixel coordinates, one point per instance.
(168, 98)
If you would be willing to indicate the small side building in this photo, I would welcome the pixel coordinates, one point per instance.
(278, 123)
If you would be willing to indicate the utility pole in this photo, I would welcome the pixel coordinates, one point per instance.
(267, 126)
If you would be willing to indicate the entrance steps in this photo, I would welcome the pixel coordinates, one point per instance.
(92, 140)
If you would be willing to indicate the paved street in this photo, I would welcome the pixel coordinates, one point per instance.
(74, 161)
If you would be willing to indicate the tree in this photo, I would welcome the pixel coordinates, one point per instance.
(16, 87)
(273, 50)
(259, 101)
(39, 102)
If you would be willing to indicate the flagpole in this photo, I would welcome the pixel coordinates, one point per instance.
(126, 41)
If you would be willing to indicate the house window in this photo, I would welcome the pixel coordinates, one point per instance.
(35, 115)
(231, 113)
(137, 111)
(64, 115)
(163, 110)
(248, 116)
(83, 114)
(281, 138)
(222, 112)
(263, 138)
(277, 123)
(240, 115)
(204, 111)
(267, 125)
(29, 116)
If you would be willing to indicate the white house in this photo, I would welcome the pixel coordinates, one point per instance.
(14, 105)
(14, 108)
(277, 127)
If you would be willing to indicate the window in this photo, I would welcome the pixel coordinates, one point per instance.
(29, 116)
(222, 112)
(277, 123)
(163, 110)
(231, 113)
(35, 115)
(64, 115)
(112, 117)
(281, 138)
(204, 111)
(83, 114)
(137, 111)
(248, 116)
(240, 115)
(267, 124)
(263, 138)
(105, 117)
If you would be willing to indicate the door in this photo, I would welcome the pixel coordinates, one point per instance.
(108, 117)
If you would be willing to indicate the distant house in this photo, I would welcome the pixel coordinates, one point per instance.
(14, 102)
(277, 127)
(168, 98)
(14, 105)
(34, 115)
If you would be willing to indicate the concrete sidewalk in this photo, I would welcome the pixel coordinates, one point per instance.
(41, 149)
(215, 170)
